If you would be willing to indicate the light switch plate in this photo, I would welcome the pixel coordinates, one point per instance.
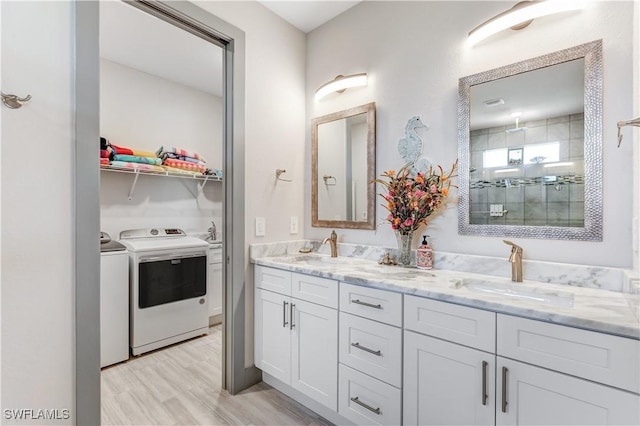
(293, 225)
(260, 226)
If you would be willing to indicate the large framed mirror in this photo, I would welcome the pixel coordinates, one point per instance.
(530, 148)
(343, 167)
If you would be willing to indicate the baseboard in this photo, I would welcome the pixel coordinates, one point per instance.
(215, 320)
(312, 405)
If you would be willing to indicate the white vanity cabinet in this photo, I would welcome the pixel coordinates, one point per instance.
(296, 332)
(370, 390)
(448, 383)
(214, 285)
(596, 379)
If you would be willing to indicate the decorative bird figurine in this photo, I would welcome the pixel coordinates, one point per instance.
(410, 147)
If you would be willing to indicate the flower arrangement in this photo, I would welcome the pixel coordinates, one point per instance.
(411, 199)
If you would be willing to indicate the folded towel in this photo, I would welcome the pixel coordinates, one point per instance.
(181, 171)
(179, 151)
(143, 153)
(104, 161)
(136, 166)
(179, 164)
(214, 172)
(181, 157)
(137, 159)
(122, 150)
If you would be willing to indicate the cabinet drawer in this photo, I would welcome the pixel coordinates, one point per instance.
(367, 401)
(215, 255)
(379, 305)
(318, 290)
(460, 324)
(371, 347)
(273, 280)
(599, 357)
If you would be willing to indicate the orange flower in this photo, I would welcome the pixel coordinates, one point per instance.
(445, 191)
(391, 173)
(396, 221)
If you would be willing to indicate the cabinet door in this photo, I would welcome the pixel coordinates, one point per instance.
(314, 356)
(446, 383)
(272, 335)
(528, 395)
(215, 289)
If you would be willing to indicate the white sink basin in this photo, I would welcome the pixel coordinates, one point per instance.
(517, 291)
(315, 260)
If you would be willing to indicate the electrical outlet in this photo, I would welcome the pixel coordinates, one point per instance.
(260, 226)
(293, 225)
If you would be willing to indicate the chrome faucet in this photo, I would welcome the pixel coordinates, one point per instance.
(516, 261)
(333, 240)
(213, 233)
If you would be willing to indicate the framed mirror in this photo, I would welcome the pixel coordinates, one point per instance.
(530, 148)
(343, 153)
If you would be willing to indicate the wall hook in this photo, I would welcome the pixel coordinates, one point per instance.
(633, 122)
(280, 172)
(13, 101)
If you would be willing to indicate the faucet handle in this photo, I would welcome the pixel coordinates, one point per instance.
(514, 246)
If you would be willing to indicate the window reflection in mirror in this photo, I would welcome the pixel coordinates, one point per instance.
(343, 168)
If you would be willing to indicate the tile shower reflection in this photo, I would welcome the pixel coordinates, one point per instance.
(529, 175)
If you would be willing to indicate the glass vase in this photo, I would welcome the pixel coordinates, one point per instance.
(404, 248)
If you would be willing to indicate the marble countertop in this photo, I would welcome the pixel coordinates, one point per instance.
(588, 308)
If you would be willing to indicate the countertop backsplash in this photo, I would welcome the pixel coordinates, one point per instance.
(612, 279)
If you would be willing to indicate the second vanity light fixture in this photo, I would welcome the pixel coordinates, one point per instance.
(341, 83)
(521, 15)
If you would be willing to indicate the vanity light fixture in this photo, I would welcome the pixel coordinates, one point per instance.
(521, 15)
(561, 164)
(341, 83)
(506, 170)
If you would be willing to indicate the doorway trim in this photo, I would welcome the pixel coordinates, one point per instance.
(235, 376)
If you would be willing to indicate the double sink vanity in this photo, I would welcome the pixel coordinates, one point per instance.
(364, 343)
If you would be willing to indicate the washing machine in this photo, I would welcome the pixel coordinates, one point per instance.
(168, 287)
(114, 301)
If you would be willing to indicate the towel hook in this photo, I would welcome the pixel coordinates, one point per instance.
(13, 101)
(633, 122)
(279, 172)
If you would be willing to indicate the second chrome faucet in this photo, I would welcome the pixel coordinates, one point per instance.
(333, 241)
(516, 261)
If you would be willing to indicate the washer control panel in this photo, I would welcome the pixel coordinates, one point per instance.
(152, 233)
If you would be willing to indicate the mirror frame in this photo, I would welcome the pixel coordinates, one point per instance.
(370, 110)
(592, 230)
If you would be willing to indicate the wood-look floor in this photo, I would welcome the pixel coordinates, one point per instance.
(181, 385)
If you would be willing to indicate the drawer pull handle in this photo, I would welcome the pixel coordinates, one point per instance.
(367, 406)
(370, 305)
(485, 364)
(364, 348)
(284, 314)
(504, 389)
(293, 306)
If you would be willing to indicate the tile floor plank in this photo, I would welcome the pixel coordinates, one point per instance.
(181, 385)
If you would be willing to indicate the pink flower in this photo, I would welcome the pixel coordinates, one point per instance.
(407, 223)
(434, 189)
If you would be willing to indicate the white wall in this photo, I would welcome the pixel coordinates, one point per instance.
(143, 111)
(414, 53)
(38, 308)
(636, 140)
(275, 127)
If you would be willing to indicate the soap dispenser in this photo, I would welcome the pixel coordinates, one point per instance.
(424, 255)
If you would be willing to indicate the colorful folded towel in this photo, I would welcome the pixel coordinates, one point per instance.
(185, 165)
(136, 166)
(181, 171)
(104, 161)
(179, 151)
(143, 153)
(137, 159)
(181, 157)
(122, 150)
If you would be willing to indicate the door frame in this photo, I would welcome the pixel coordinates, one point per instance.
(189, 17)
